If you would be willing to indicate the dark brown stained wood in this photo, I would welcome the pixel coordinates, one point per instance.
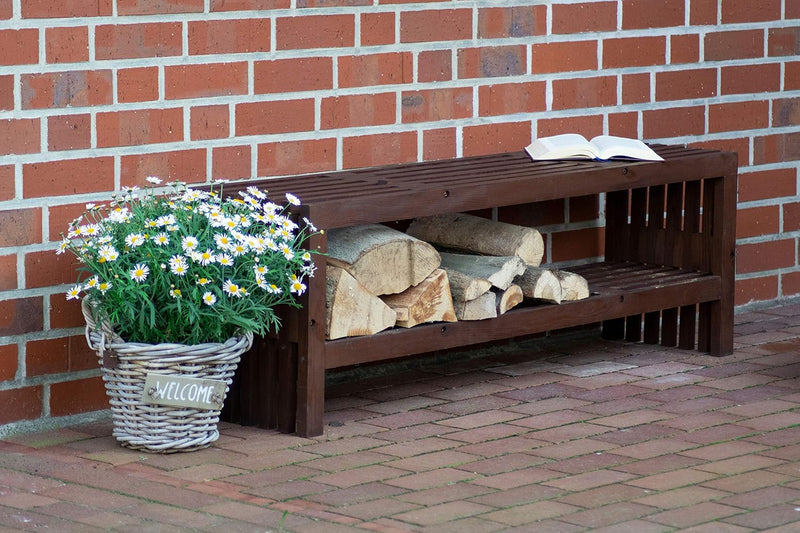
(669, 261)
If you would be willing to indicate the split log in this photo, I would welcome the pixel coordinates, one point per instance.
(573, 286)
(351, 309)
(383, 260)
(464, 288)
(482, 307)
(476, 234)
(429, 301)
(500, 271)
(505, 300)
(540, 283)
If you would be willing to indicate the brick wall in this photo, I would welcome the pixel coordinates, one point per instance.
(99, 94)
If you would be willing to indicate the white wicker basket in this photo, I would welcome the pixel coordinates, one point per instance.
(125, 365)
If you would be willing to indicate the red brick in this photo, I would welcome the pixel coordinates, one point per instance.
(64, 313)
(229, 36)
(783, 42)
(333, 3)
(283, 116)
(584, 208)
(60, 216)
(296, 157)
(315, 31)
(19, 47)
(491, 61)
(20, 226)
(439, 144)
(208, 79)
(231, 163)
(684, 48)
(139, 126)
(741, 145)
(761, 256)
(356, 110)
(580, 18)
(785, 112)
(77, 88)
(792, 10)
(184, 165)
(790, 283)
(577, 244)
(20, 316)
(69, 132)
(144, 39)
(209, 122)
(8, 362)
(510, 98)
(766, 184)
(7, 185)
(380, 149)
(588, 126)
(377, 29)
(67, 45)
(776, 148)
(686, 84)
(6, 92)
(19, 136)
(8, 272)
(24, 403)
(791, 216)
(144, 7)
(673, 122)
(738, 116)
(496, 138)
(34, 9)
(45, 269)
(436, 104)
(138, 84)
(290, 75)
(516, 21)
(6, 9)
(80, 396)
(434, 65)
(757, 221)
(376, 69)
(748, 79)
(733, 45)
(755, 289)
(703, 12)
(579, 93)
(435, 25)
(53, 356)
(637, 14)
(73, 176)
(624, 124)
(747, 11)
(634, 52)
(248, 5)
(635, 88)
(564, 56)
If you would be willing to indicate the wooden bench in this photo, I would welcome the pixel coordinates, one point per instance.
(667, 275)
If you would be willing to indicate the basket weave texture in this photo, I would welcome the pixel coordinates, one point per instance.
(125, 365)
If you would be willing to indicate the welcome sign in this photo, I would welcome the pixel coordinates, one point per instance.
(182, 391)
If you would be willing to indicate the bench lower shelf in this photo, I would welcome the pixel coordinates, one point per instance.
(618, 290)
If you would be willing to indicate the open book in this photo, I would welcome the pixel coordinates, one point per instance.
(574, 146)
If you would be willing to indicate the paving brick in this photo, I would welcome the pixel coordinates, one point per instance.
(501, 463)
(653, 448)
(774, 516)
(573, 448)
(635, 526)
(673, 480)
(724, 450)
(588, 463)
(682, 497)
(516, 496)
(737, 465)
(433, 460)
(477, 404)
(358, 476)
(548, 405)
(623, 405)
(694, 514)
(692, 422)
(608, 515)
(359, 493)
(444, 512)
(456, 491)
(517, 478)
(530, 513)
(761, 498)
(433, 478)
(748, 481)
(589, 480)
(657, 465)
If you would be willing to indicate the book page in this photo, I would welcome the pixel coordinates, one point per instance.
(566, 146)
(609, 146)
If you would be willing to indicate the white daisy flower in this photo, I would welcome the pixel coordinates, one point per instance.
(296, 286)
(139, 272)
(175, 293)
(62, 247)
(292, 199)
(103, 286)
(108, 253)
(274, 289)
(178, 265)
(153, 179)
(74, 293)
(189, 243)
(225, 260)
(209, 298)
(255, 191)
(205, 258)
(134, 240)
(231, 288)
(91, 283)
(161, 239)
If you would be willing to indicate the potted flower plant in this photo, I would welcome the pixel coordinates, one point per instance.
(176, 284)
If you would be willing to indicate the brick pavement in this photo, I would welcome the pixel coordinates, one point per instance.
(563, 434)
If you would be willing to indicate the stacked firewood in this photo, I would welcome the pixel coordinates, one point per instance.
(444, 268)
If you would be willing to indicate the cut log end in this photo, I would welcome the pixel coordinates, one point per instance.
(508, 299)
(351, 309)
(429, 301)
(573, 286)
